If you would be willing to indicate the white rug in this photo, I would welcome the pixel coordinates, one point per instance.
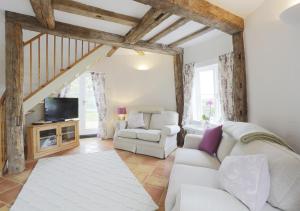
(83, 182)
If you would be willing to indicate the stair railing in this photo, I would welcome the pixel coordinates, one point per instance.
(70, 55)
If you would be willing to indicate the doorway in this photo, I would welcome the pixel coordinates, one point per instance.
(82, 88)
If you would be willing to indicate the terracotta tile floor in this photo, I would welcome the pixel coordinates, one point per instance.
(153, 173)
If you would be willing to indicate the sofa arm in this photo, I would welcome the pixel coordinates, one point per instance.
(170, 130)
(192, 141)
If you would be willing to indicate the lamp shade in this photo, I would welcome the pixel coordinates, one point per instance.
(121, 110)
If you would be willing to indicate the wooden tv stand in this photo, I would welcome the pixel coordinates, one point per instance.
(50, 138)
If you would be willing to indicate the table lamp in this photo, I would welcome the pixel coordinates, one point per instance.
(121, 112)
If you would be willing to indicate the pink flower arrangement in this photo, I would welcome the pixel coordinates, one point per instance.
(210, 102)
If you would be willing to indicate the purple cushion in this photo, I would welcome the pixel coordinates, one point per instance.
(211, 140)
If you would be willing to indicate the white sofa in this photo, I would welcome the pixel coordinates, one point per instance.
(157, 139)
(193, 184)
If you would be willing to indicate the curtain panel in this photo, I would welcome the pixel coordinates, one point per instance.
(98, 81)
(64, 92)
(230, 89)
(188, 82)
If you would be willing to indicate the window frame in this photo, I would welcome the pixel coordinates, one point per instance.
(196, 95)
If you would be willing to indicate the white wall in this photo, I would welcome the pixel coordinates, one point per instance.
(127, 86)
(272, 57)
(208, 52)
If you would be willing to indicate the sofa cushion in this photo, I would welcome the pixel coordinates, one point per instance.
(195, 157)
(198, 198)
(192, 141)
(149, 135)
(225, 147)
(165, 118)
(211, 140)
(129, 133)
(247, 178)
(135, 120)
(189, 175)
(284, 168)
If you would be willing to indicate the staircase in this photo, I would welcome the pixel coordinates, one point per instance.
(51, 62)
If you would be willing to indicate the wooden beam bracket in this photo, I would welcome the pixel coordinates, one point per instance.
(44, 12)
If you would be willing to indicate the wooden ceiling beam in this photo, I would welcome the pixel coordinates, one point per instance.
(77, 32)
(94, 12)
(112, 51)
(168, 30)
(44, 12)
(191, 36)
(150, 20)
(201, 11)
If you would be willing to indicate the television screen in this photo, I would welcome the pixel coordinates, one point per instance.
(59, 109)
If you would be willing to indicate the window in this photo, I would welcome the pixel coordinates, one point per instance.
(205, 96)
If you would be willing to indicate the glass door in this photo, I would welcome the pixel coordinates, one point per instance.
(68, 134)
(82, 88)
(47, 138)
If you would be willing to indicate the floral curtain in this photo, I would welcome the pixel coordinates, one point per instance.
(188, 81)
(226, 70)
(64, 92)
(98, 80)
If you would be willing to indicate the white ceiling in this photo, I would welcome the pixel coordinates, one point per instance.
(242, 8)
(129, 7)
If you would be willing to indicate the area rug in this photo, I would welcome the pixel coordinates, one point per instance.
(83, 182)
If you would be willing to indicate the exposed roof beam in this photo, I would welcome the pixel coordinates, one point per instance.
(77, 32)
(191, 36)
(168, 30)
(201, 11)
(93, 12)
(112, 51)
(44, 12)
(150, 20)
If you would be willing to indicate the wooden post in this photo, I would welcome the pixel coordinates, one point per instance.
(14, 98)
(178, 67)
(239, 80)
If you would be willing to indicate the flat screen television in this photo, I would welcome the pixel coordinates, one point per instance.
(60, 109)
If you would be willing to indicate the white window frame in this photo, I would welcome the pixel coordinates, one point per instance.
(196, 95)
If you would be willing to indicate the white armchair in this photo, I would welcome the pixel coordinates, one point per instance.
(157, 139)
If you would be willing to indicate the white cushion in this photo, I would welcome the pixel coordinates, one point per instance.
(190, 175)
(225, 147)
(194, 157)
(247, 178)
(284, 168)
(149, 135)
(268, 207)
(165, 118)
(135, 120)
(129, 133)
(198, 198)
(192, 141)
